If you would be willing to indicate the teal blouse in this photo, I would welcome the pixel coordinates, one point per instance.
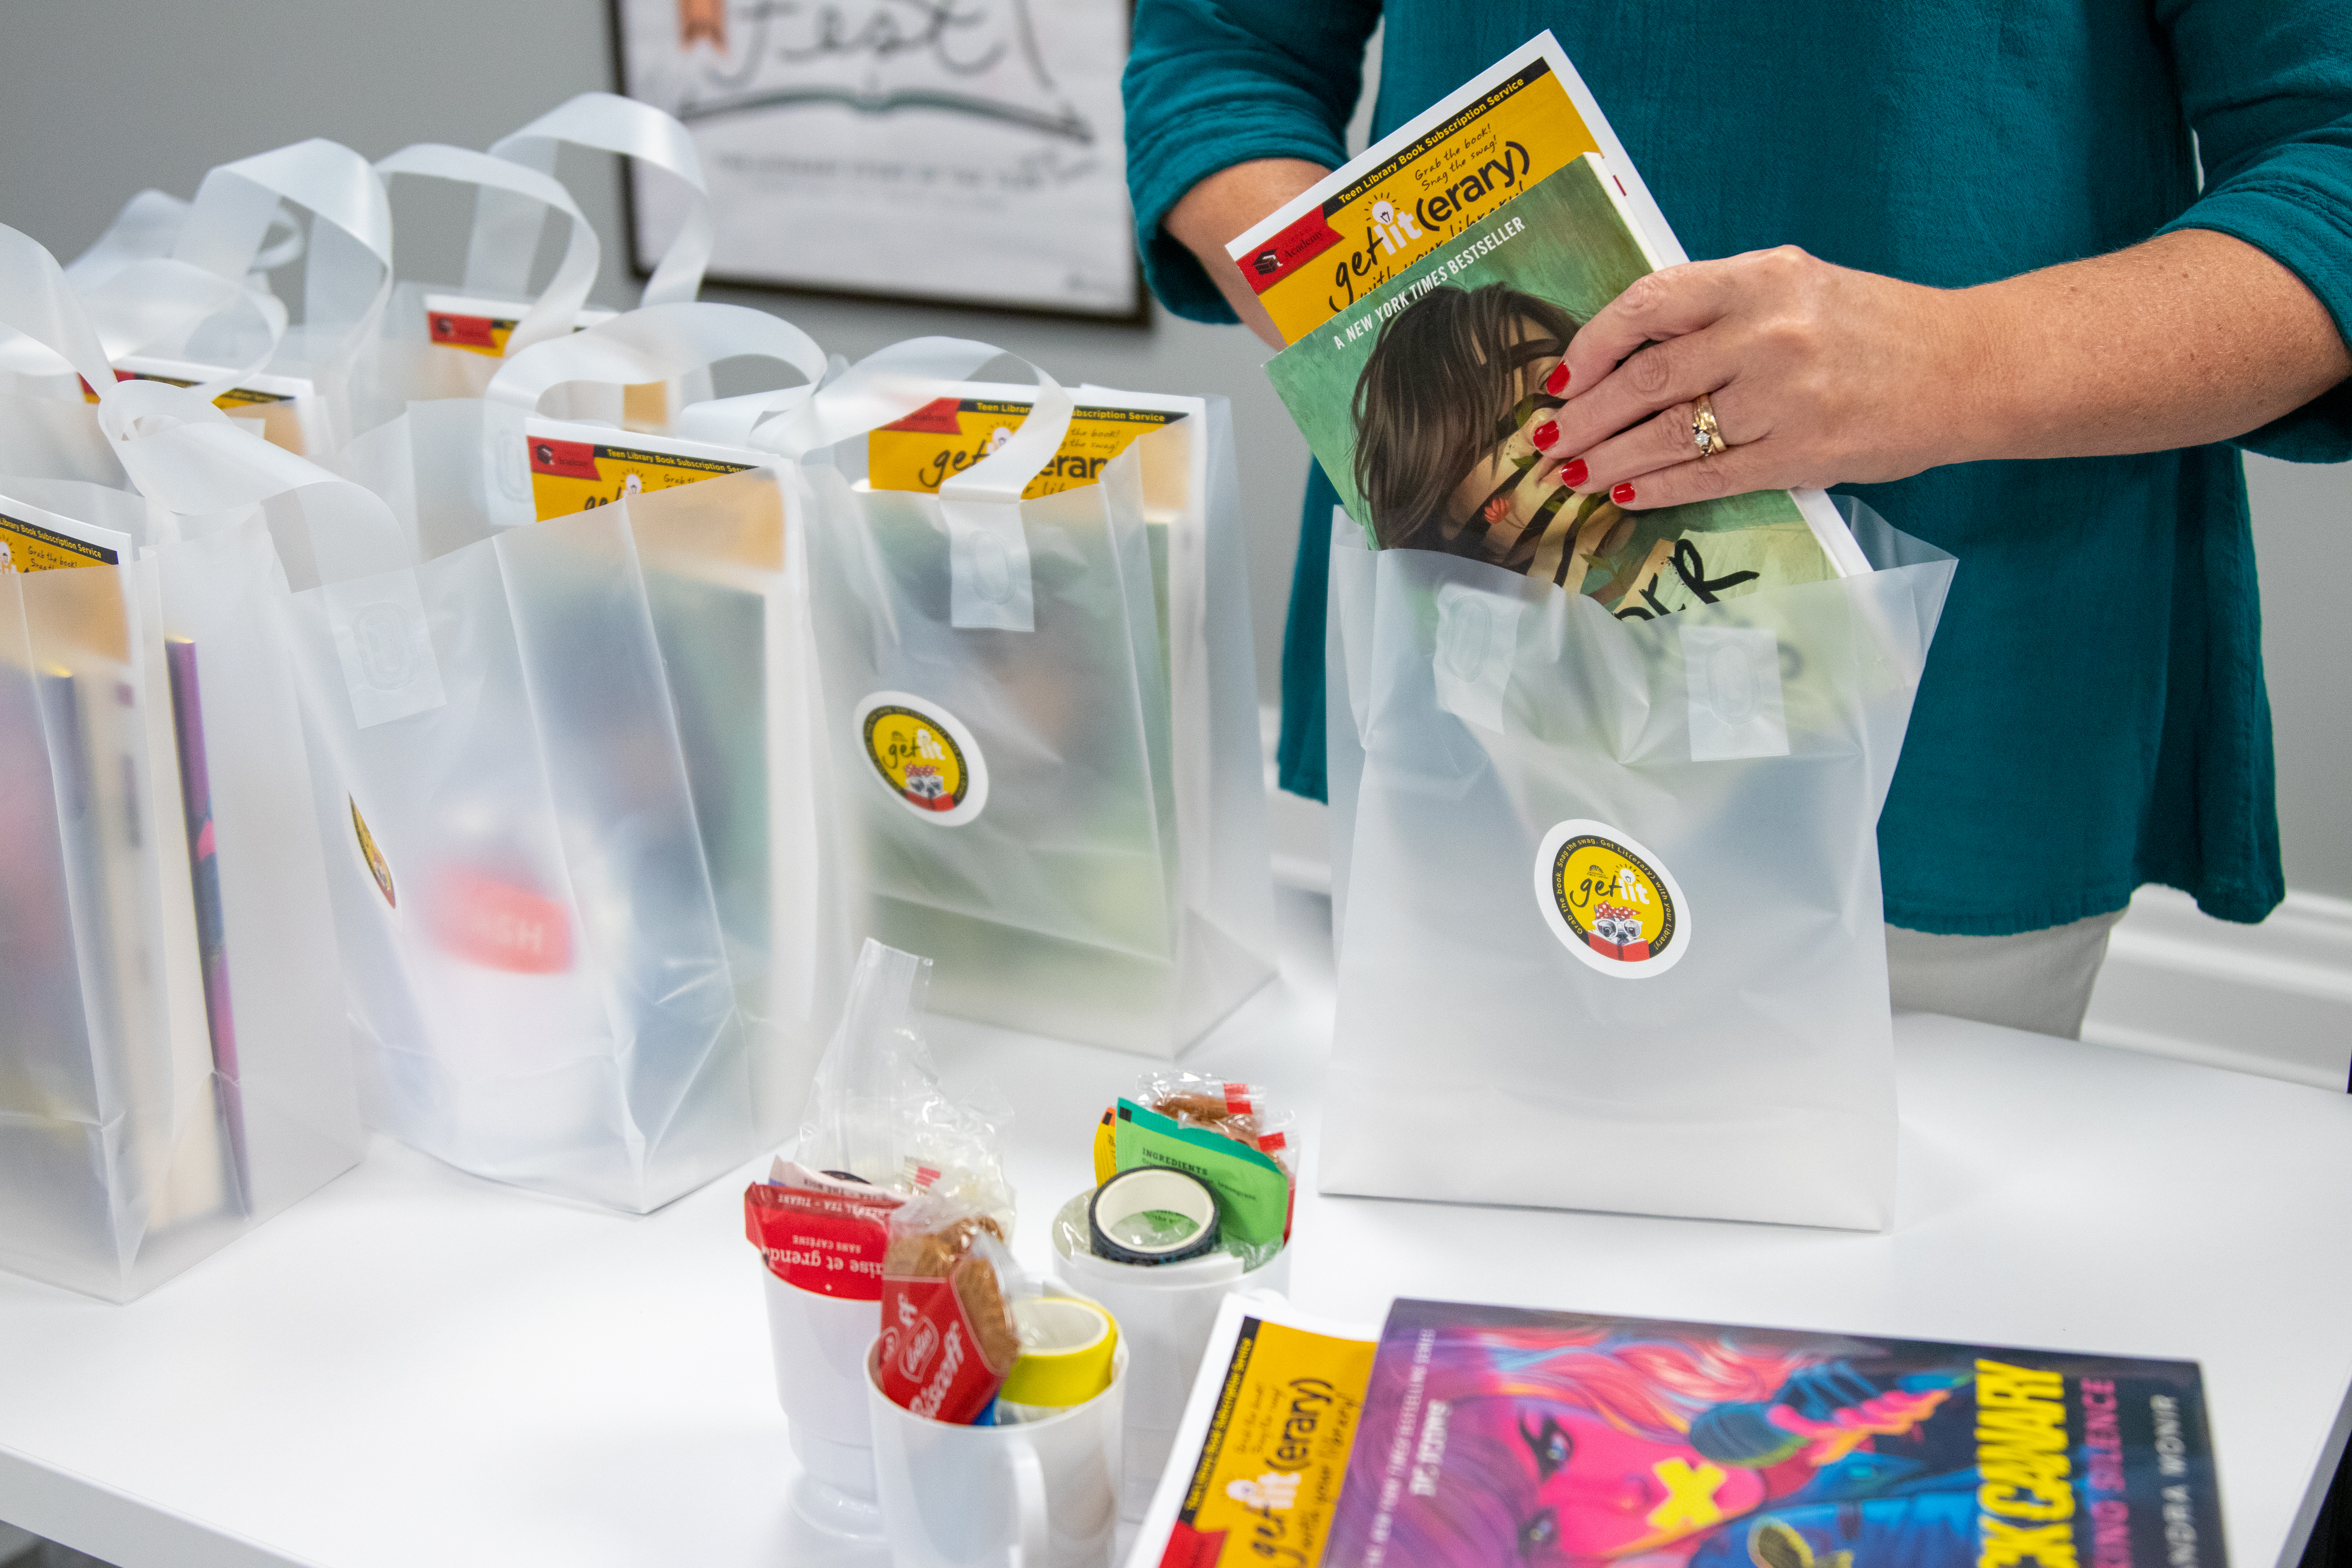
(2093, 716)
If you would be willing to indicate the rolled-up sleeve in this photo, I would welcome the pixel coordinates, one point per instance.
(1212, 83)
(2268, 86)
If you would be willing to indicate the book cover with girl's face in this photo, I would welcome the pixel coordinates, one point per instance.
(1421, 403)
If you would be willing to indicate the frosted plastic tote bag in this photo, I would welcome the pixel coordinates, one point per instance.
(1043, 706)
(721, 531)
(174, 1068)
(575, 763)
(1614, 936)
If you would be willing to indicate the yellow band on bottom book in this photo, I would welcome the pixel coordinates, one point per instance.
(1255, 1474)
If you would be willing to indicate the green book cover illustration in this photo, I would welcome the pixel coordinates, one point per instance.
(1418, 402)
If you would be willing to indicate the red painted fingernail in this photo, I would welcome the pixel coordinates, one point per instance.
(1556, 382)
(1546, 433)
(1622, 494)
(1574, 474)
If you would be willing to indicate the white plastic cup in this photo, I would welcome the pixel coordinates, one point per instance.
(1043, 1494)
(1165, 1313)
(820, 1344)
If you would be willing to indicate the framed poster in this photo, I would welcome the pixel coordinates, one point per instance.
(966, 152)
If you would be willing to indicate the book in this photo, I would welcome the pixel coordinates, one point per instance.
(948, 434)
(1265, 1441)
(576, 466)
(1509, 127)
(1420, 394)
(285, 408)
(1496, 1435)
(212, 924)
(33, 539)
(481, 325)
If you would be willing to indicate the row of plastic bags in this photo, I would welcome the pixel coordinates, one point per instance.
(494, 699)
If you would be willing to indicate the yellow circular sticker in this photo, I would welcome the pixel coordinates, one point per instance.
(924, 756)
(1611, 901)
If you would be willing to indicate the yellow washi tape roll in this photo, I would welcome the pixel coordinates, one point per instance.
(1066, 1352)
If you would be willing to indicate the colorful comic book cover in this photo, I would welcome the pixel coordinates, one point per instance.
(1422, 402)
(1495, 1436)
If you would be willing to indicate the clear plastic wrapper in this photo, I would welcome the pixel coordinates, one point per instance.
(1242, 1112)
(875, 1109)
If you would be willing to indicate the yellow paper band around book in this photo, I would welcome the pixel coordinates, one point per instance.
(1071, 1361)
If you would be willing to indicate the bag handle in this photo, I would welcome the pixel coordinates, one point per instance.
(552, 313)
(136, 295)
(657, 342)
(988, 580)
(506, 228)
(347, 280)
(37, 302)
(989, 584)
(880, 389)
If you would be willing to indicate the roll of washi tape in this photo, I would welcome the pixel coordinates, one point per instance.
(1066, 1352)
(1150, 1214)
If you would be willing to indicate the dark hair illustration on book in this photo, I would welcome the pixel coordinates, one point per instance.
(1443, 413)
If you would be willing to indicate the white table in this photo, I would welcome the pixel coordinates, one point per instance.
(417, 1367)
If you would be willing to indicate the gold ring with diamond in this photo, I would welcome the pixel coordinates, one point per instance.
(1706, 433)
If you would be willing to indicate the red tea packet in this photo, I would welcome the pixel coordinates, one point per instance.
(831, 1240)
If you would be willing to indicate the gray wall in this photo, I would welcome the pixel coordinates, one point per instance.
(99, 98)
(2303, 536)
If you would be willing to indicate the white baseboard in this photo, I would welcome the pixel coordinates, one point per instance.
(2274, 998)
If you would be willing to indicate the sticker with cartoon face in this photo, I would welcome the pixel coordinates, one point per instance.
(924, 756)
(1611, 901)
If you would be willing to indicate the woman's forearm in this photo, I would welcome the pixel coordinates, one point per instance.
(1207, 217)
(2194, 336)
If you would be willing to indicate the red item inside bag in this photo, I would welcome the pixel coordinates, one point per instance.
(833, 1244)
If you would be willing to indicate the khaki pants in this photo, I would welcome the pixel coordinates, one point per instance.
(2038, 981)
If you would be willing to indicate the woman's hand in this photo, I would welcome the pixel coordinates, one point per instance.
(1821, 375)
(1510, 485)
(1817, 375)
